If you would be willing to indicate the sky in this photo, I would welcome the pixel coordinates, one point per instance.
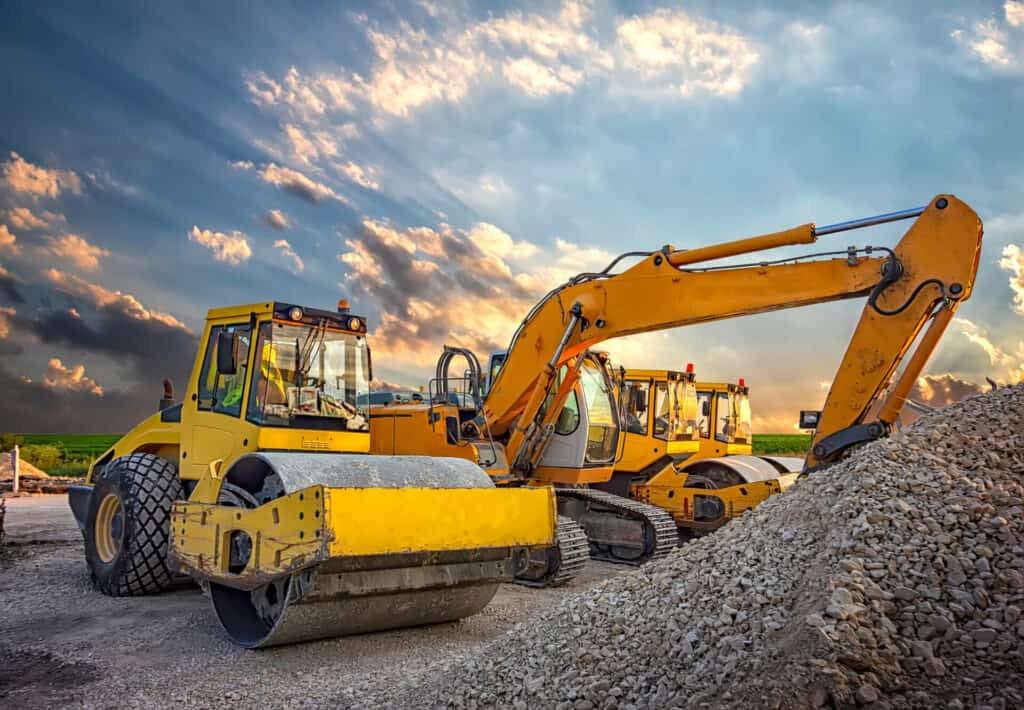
(442, 165)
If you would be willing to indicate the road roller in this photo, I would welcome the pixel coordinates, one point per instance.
(259, 486)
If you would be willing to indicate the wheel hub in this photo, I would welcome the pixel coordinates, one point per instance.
(109, 527)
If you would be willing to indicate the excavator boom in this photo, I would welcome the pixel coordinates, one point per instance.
(923, 278)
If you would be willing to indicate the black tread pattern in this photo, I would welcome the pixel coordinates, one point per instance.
(564, 560)
(151, 486)
(660, 531)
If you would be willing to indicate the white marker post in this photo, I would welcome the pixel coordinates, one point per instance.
(14, 466)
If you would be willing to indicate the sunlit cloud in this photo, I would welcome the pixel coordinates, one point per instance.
(75, 249)
(6, 314)
(8, 242)
(1013, 261)
(36, 181)
(74, 379)
(23, 218)
(278, 220)
(296, 264)
(293, 182)
(103, 298)
(230, 248)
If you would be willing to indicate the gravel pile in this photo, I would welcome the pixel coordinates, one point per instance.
(894, 579)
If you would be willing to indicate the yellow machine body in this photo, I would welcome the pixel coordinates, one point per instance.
(912, 291)
(297, 531)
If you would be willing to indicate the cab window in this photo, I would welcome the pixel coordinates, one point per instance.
(223, 393)
(704, 414)
(636, 395)
(662, 413)
(725, 427)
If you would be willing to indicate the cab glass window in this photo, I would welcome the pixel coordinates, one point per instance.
(662, 411)
(725, 427)
(704, 414)
(742, 414)
(223, 393)
(603, 433)
(636, 396)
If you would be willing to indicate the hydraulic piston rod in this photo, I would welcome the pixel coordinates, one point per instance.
(804, 234)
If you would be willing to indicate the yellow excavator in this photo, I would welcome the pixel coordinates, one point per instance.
(549, 415)
(258, 485)
(699, 434)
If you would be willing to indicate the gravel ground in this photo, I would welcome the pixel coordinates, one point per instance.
(892, 579)
(63, 643)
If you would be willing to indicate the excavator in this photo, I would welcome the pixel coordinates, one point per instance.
(703, 445)
(549, 415)
(258, 486)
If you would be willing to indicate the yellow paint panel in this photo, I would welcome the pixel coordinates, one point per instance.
(370, 521)
(284, 439)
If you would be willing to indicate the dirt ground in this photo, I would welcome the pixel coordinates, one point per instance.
(61, 642)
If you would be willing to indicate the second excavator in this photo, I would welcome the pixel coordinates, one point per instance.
(549, 415)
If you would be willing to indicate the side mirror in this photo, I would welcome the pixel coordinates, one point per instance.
(705, 410)
(227, 353)
(809, 419)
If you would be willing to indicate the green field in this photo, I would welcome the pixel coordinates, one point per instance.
(76, 445)
(779, 444)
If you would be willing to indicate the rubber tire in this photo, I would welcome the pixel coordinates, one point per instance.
(147, 486)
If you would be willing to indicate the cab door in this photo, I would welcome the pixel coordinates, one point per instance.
(639, 448)
(212, 424)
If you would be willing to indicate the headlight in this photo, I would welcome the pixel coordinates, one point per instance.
(295, 313)
(355, 324)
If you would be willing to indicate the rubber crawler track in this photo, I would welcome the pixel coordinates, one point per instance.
(660, 532)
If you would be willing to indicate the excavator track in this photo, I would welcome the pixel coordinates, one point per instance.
(618, 529)
(558, 565)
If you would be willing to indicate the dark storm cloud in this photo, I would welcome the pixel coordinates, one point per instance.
(153, 349)
(8, 287)
(31, 406)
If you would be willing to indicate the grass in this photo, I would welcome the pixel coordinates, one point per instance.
(77, 445)
(781, 444)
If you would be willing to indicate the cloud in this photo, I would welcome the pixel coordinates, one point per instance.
(106, 300)
(1013, 261)
(998, 44)
(359, 175)
(59, 377)
(536, 55)
(943, 390)
(287, 252)
(294, 182)
(434, 286)
(8, 286)
(278, 220)
(75, 249)
(537, 80)
(1008, 364)
(8, 242)
(685, 54)
(496, 242)
(231, 248)
(24, 219)
(6, 314)
(1014, 13)
(37, 181)
(379, 385)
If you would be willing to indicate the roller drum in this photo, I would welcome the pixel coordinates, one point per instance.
(322, 602)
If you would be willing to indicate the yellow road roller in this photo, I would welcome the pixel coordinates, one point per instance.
(259, 486)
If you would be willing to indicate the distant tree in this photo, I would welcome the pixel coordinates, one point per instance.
(9, 441)
(42, 456)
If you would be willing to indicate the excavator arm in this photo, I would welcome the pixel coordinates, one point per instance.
(915, 286)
